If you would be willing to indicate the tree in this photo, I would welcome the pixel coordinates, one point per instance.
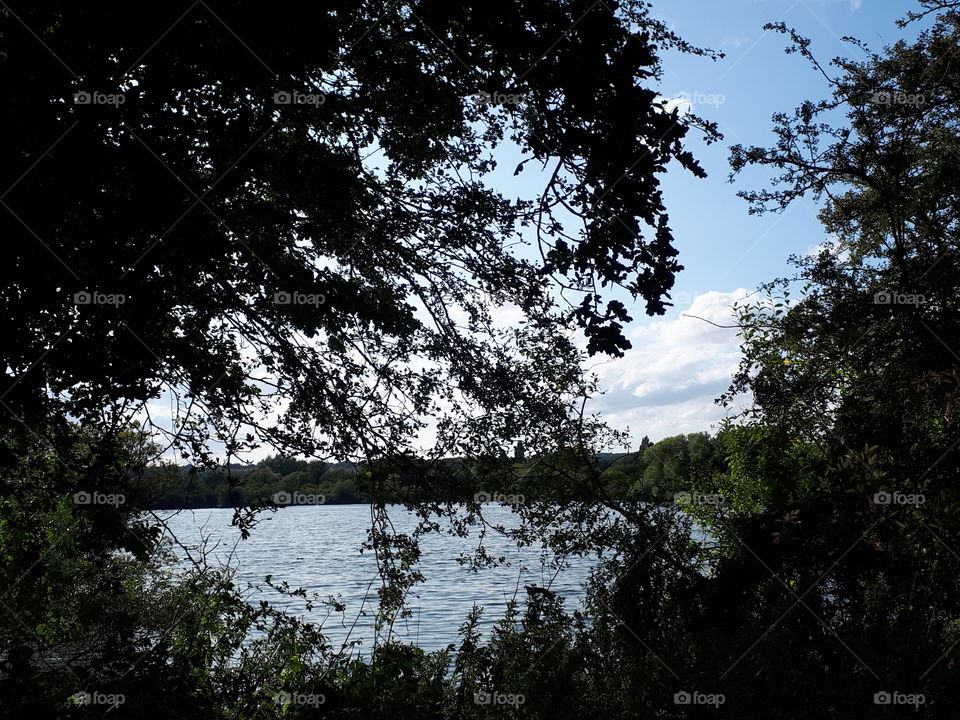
(680, 462)
(284, 220)
(173, 204)
(843, 540)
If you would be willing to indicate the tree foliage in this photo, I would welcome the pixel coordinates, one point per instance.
(849, 448)
(292, 212)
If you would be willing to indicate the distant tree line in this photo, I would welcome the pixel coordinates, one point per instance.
(653, 473)
(240, 486)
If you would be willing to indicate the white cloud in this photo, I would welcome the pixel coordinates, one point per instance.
(160, 409)
(735, 40)
(681, 103)
(832, 244)
(667, 383)
(664, 385)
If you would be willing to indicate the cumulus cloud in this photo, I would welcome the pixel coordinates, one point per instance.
(664, 385)
(667, 383)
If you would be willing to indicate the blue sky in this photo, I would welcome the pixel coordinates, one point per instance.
(721, 246)
(667, 383)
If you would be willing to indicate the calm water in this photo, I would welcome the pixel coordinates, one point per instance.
(317, 547)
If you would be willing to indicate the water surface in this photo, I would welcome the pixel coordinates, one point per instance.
(317, 547)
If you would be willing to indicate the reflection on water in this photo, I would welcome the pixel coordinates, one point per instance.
(316, 547)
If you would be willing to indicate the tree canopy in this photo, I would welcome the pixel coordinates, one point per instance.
(290, 212)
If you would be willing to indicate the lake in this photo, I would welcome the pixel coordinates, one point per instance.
(316, 547)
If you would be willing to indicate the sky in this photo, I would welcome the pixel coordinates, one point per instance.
(678, 365)
(667, 383)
